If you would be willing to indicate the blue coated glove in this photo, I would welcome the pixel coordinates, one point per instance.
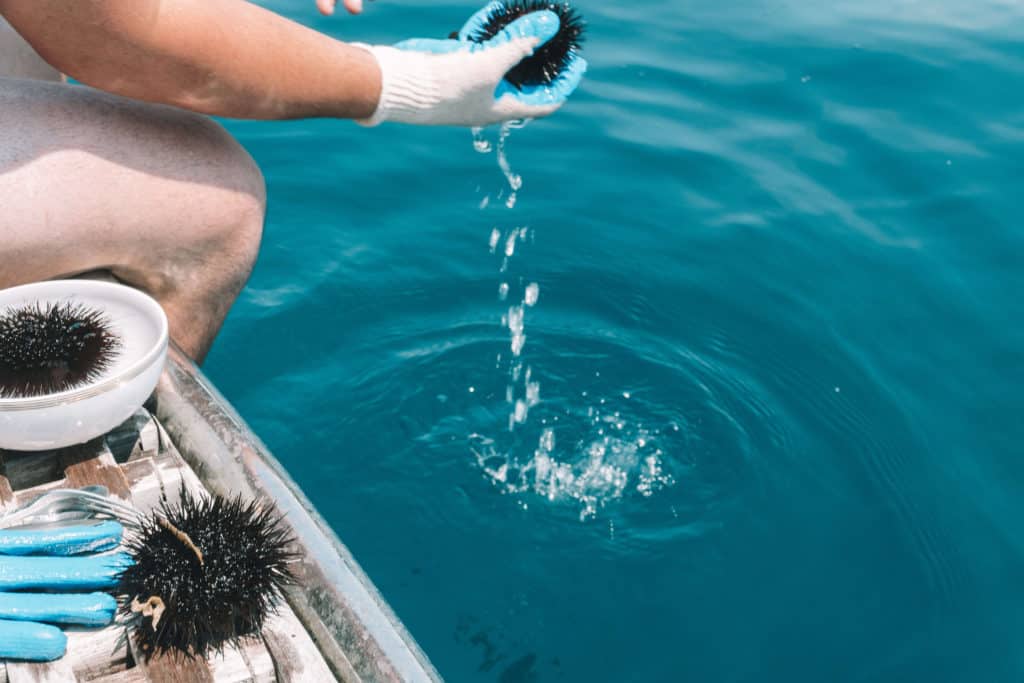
(45, 560)
(462, 82)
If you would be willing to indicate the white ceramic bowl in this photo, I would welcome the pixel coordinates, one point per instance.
(75, 416)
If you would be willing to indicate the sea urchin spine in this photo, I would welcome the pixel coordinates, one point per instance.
(49, 348)
(551, 59)
(207, 572)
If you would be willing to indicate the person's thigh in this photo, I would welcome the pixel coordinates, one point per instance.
(163, 198)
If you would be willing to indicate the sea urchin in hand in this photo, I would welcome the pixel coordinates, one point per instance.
(54, 347)
(207, 572)
(551, 59)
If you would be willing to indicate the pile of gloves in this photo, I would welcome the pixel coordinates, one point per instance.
(49, 577)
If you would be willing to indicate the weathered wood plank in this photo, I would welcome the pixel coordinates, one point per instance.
(6, 492)
(230, 666)
(170, 668)
(296, 657)
(133, 675)
(91, 464)
(145, 482)
(51, 672)
(151, 478)
(3, 672)
(94, 653)
(261, 664)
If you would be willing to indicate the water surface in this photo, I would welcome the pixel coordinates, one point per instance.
(777, 349)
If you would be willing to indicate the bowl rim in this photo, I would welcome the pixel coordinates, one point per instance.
(137, 298)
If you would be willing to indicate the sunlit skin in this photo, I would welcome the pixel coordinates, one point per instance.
(220, 57)
(112, 178)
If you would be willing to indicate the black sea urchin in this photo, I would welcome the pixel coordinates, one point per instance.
(206, 573)
(49, 348)
(552, 58)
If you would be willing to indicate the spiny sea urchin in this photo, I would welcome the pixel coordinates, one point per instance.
(53, 347)
(207, 572)
(552, 58)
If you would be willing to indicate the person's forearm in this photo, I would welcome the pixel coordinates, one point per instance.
(221, 57)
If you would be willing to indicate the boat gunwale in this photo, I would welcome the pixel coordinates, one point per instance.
(358, 633)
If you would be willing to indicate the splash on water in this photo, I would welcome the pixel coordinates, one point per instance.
(615, 460)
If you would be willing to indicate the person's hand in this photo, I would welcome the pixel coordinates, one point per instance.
(42, 560)
(327, 6)
(461, 82)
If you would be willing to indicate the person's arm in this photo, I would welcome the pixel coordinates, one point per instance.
(221, 57)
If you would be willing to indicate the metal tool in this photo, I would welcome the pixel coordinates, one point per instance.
(69, 504)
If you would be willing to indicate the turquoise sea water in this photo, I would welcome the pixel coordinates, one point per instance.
(778, 349)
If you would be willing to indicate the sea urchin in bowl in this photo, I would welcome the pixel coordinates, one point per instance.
(77, 358)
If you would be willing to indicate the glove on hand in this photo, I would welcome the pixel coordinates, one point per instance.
(33, 560)
(461, 82)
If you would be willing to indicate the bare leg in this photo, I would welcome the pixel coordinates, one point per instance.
(164, 199)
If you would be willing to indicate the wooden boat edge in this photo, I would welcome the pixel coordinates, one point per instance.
(357, 632)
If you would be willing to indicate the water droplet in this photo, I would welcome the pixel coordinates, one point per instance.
(532, 292)
(510, 242)
(480, 143)
(515, 182)
(521, 411)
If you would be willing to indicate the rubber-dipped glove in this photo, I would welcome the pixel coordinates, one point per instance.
(461, 82)
(40, 560)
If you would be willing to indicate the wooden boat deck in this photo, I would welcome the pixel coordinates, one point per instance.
(138, 462)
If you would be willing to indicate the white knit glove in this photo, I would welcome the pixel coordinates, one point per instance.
(461, 83)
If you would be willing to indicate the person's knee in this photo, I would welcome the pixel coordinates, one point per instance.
(243, 233)
(216, 195)
(237, 168)
(235, 230)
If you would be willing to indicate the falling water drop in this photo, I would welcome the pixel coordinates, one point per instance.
(480, 143)
(515, 181)
(531, 294)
